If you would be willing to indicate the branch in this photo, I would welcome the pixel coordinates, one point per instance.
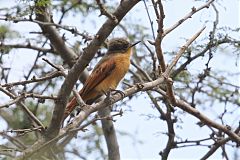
(158, 40)
(69, 130)
(105, 12)
(16, 100)
(200, 54)
(96, 118)
(21, 132)
(149, 18)
(61, 69)
(218, 144)
(153, 56)
(52, 34)
(28, 46)
(171, 134)
(24, 108)
(87, 110)
(71, 29)
(181, 51)
(164, 116)
(159, 52)
(174, 62)
(34, 79)
(14, 141)
(215, 147)
(146, 76)
(189, 15)
(204, 119)
(27, 95)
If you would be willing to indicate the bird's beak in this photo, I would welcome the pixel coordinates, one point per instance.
(135, 43)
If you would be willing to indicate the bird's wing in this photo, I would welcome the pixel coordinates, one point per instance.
(102, 70)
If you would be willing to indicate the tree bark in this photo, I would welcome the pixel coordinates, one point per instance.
(110, 135)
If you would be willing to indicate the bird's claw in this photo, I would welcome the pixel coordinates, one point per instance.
(111, 92)
(109, 97)
(115, 91)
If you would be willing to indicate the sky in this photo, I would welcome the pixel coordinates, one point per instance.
(135, 121)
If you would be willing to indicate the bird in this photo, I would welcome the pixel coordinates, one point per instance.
(107, 74)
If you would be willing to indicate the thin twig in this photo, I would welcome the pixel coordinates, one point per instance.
(12, 102)
(27, 95)
(149, 18)
(218, 144)
(24, 108)
(75, 92)
(106, 13)
(14, 141)
(189, 15)
(181, 51)
(22, 132)
(71, 29)
(96, 118)
(142, 71)
(28, 46)
(153, 56)
(34, 79)
(174, 62)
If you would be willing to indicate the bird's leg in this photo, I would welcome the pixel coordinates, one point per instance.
(78, 109)
(112, 92)
(109, 97)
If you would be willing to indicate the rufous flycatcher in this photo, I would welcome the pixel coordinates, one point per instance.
(107, 74)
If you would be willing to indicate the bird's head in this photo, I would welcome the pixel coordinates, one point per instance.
(119, 45)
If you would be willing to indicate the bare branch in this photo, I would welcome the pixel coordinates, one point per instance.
(96, 118)
(218, 144)
(12, 102)
(149, 18)
(34, 79)
(141, 71)
(154, 58)
(204, 119)
(189, 15)
(24, 108)
(226, 40)
(181, 51)
(21, 132)
(71, 29)
(105, 12)
(171, 134)
(158, 40)
(27, 95)
(27, 46)
(173, 63)
(14, 141)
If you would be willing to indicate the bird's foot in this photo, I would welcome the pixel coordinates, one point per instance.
(115, 91)
(109, 97)
(111, 93)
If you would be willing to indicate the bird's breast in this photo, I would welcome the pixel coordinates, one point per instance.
(122, 63)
